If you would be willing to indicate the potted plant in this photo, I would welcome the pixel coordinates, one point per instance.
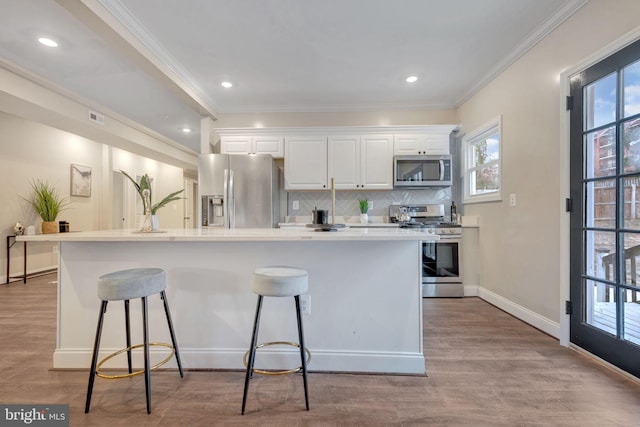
(47, 203)
(151, 208)
(364, 208)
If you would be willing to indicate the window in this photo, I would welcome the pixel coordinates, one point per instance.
(482, 170)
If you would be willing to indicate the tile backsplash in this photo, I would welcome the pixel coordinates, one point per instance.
(347, 201)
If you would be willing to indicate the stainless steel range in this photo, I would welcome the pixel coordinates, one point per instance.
(442, 259)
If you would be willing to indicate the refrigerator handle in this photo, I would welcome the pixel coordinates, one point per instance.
(232, 201)
(225, 202)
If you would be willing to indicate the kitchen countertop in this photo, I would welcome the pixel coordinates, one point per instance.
(350, 225)
(234, 235)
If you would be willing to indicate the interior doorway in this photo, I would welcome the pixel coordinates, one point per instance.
(119, 202)
(190, 203)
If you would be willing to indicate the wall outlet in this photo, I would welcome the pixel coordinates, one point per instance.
(296, 205)
(512, 200)
(305, 304)
(370, 205)
(54, 248)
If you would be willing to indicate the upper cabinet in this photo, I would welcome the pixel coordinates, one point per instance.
(376, 162)
(305, 165)
(421, 144)
(353, 161)
(361, 161)
(252, 144)
(357, 158)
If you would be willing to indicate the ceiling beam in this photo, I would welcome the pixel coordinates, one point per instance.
(92, 14)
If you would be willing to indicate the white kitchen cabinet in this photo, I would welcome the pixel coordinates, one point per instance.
(343, 164)
(248, 144)
(421, 144)
(356, 157)
(305, 165)
(361, 162)
(376, 162)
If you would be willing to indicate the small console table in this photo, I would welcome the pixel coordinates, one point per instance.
(11, 241)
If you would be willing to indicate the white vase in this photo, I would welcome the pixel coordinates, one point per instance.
(364, 218)
(155, 223)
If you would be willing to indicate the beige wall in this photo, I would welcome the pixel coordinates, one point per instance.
(30, 150)
(520, 246)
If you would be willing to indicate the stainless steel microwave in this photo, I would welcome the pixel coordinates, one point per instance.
(421, 171)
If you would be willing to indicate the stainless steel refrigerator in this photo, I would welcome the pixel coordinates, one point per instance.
(240, 191)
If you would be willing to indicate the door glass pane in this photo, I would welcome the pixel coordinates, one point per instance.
(600, 202)
(600, 254)
(631, 75)
(632, 315)
(631, 141)
(631, 203)
(600, 156)
(631, 255)
(600, 306)
(600, 102)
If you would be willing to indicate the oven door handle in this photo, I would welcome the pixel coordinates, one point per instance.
(441, 170)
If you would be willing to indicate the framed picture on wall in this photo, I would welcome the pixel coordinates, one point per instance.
(80, 180)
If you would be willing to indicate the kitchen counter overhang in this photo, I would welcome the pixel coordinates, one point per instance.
(213, 234)
(364, 290)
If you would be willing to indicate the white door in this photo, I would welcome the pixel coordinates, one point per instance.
(119, 211)
(190, 202)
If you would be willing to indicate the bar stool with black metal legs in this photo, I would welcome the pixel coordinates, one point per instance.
(125, 285)
(277, 282)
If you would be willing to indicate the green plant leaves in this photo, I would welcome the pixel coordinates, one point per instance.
(145, 183)
(46, 201)
(364, 205)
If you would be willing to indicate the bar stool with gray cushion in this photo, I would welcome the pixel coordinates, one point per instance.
(278, 282)
(125, 285)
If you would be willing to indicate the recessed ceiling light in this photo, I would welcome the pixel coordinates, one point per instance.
(226, 85)
(48, 42)
(411, 79)
(186, 130)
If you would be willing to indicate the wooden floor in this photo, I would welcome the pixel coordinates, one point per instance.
(485, 368)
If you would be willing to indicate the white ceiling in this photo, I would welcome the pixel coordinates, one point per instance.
(160, 63)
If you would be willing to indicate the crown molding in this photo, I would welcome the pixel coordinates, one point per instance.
(338, 130)
(116, 15)
(570, 7)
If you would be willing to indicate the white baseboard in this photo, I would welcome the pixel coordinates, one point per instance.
(534, 319)
(221, 358)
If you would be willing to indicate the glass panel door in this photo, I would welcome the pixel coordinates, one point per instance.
(605, 222)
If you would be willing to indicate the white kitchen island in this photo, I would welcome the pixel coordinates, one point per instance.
(364, 288)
